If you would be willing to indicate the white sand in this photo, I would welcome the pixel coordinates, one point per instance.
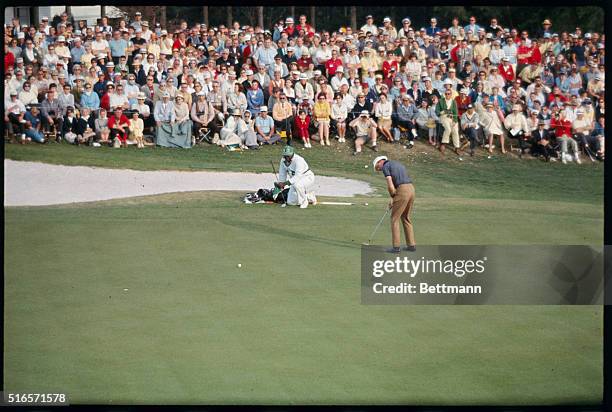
(37, 184)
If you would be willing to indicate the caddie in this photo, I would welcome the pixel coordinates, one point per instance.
(294, 171)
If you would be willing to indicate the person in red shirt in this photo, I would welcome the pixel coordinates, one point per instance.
(9, 58)
(563, 134)
(290, 29)
(302, 124)
(390, 62)
(304, 61)
(308, 29)
(506, 71)
(180, 42)
(454, 52)
(463, 100)
(556, 93)
(527, 53)
(332, 64)
(105, 99)
(119, 126)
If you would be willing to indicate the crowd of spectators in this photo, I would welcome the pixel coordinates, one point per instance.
(467, 85)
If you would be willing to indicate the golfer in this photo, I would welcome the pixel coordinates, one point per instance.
(401, 191)
(294, 171)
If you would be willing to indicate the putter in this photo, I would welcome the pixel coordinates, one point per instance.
(276, 175)
(377, 226)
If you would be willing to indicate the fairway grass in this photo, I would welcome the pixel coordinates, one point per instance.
(288, 327)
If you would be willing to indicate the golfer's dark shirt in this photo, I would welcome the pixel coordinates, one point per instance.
(397, 171)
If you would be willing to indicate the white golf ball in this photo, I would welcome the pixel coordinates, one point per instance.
(366, 166)
(239, 265)
(125, 289)
(365, 204)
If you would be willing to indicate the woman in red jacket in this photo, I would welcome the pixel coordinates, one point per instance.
(302, 123)
(9, 58)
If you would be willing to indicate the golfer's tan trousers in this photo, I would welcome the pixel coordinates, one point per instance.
(401, 210)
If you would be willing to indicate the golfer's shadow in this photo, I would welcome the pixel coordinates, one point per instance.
(261, 228)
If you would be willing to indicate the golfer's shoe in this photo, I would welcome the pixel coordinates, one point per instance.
(410, 248)
(393, 250)
(312, 199)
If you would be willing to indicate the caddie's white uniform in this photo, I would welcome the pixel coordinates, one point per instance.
(302, 180)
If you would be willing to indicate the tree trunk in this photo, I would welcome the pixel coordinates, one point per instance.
(354, 18)
(230, 16)
(163, 17)
(68, 10)
(102, 11)
(313, 16)
(205, 15)
(260, 16)
(292, 13)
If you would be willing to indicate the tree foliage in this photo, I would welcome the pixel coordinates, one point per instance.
(589, 18)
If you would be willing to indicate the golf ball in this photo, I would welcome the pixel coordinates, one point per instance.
(366, 166)
(365, 204)
(239, 265)
(125, 289)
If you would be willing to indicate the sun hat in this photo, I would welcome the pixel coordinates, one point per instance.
(378, 159)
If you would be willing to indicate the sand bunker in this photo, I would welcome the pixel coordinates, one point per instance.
(38, 184)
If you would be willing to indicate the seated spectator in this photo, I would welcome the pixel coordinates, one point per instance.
(264, 126)
(136, 129)
(118, 124)
(282, 113)
(446, 110)
(470, 124)
(322, 114)
(541, 142)
(33, 125)
(582, 129)
(85, 128)
(339, 114)
(69, 127)
(51, 114)
(516, 125)
(15, 111)
(364, 130)
(302, 127)
(237, 132)
(599, 133)
(563, 133)
(406, 115)
(101, 128)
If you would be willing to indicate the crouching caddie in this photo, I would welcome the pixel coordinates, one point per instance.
(294, 171)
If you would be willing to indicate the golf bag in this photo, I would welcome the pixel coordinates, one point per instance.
(274, 195)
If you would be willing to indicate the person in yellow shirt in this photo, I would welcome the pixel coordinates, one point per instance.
(322, 113)
(136, 128)
(368, 61)
(282, 113)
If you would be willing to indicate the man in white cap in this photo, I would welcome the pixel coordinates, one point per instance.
(369, 26)
(517, 127)
(304, 92)
(365, 131)
(264, 126)
(401, 191)
(338, 79)
(294, 171)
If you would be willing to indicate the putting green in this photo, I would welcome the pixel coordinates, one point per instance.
(288, 326)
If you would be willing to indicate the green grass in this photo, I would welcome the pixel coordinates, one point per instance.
(288, 327)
